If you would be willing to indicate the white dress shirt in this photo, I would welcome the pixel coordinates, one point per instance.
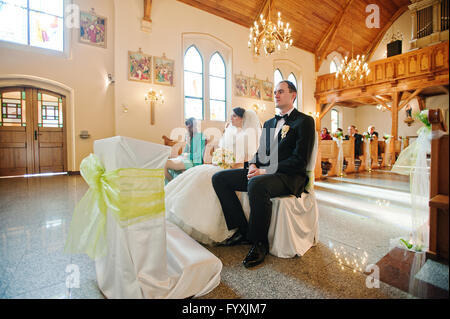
(281, 122)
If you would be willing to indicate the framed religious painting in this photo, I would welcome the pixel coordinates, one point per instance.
(240, 85)
(92, 29)
(139, 66)
(267, 91)
(254, 88)
(163, 70)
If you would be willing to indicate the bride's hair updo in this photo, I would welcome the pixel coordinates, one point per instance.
(239, 111)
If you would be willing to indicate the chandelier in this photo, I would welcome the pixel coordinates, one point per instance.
(353, 69)
(271, 38)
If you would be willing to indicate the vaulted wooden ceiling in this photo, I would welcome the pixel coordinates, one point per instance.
(318, 26)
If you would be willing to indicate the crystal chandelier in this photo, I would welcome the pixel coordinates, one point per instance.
(272, 38)
(353, 69)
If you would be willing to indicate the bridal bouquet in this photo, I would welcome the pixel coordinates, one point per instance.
(223, 158)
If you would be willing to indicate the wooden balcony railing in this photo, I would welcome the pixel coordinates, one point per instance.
(428, 61)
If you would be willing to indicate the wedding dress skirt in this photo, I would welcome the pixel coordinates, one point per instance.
(192, 204)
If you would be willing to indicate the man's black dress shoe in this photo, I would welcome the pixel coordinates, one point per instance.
(256, 255)
(236, 239)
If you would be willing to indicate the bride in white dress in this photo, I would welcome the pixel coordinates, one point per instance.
(192, 203)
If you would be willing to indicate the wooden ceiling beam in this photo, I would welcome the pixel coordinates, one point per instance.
(327, 108)
(385, 97)
(371, 50)
(444, 89)
(329, 36)
(225, 13)
(147, 10)
(409, 98)
(381, 102)
(421, 102)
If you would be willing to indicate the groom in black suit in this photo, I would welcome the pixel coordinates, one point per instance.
(277, 169)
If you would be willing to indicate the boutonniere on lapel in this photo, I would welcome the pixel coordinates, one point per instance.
(284, 131)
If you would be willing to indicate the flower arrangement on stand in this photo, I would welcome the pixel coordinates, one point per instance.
(423, 117)
(337, 136)
(368, 158)
(388, 140)
(412, 162)
(223, 158)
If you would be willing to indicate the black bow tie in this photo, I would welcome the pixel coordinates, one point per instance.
(279, 117)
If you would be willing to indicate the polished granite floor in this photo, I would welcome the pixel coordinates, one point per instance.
(35, 216)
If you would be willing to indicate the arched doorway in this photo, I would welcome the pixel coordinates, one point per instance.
(32, 131)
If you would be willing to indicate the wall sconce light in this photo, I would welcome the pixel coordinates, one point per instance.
(84, 134)
(152, 97)
(111, 78)
(258, 108)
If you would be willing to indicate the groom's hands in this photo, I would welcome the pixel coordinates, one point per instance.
(255, 171)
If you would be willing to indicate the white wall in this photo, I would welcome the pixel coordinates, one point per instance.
(83, 73)
(170, 19)
(98, 107)
(403, 25)
(325, 66)
(346, 118)
(369, 115)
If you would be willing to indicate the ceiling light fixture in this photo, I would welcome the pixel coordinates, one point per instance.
(353, 69)
(272, 38)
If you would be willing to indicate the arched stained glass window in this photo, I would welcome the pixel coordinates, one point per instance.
(333, 67)
(217, 88)
(277, 77)
(193, 84)
(293, 79)
(334, 120)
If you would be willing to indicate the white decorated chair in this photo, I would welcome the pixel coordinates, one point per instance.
(152, 258)
(294, 225)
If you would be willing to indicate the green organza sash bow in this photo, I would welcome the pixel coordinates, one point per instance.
(132, 195)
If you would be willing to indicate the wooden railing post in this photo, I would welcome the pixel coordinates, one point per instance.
(439, 189)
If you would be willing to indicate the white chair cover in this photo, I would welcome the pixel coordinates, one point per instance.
(294, 225)
(154, 258)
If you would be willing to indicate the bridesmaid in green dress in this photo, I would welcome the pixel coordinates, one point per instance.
(192, 154)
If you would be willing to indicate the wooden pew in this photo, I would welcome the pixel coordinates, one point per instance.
(318, 167)
(388, 154)
(373, 155)
(348, 147)
(329, 152)
(398, 147)
(439, 239)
